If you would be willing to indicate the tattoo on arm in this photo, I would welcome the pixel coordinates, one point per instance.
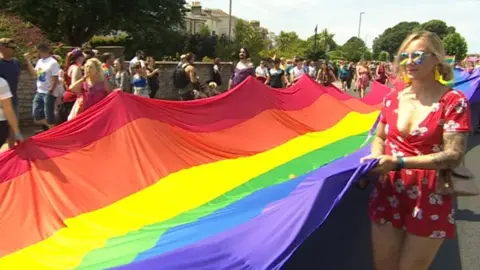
(454, 146)
(378, 146)
(378, 143)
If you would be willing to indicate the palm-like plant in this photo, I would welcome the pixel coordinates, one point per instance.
(325, 39)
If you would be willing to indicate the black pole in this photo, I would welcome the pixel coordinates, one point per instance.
(315, 39)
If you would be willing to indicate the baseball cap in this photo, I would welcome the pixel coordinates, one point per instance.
(8, 42)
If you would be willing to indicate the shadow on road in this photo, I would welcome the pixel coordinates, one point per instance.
(467, 215)
(343, 241)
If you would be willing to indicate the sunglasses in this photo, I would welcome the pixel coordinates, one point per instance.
(417, 57)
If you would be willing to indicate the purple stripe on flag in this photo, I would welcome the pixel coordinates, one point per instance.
(269, 239)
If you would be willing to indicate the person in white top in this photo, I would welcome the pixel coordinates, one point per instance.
(297, 71)
(47, 71)
(261, 72)
(139, 57)
(8, 116)
(312, 70)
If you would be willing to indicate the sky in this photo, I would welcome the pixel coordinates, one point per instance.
(341, 17)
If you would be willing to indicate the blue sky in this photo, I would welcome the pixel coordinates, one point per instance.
(341, 16)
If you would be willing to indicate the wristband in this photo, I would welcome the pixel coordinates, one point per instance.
(401, 163)
(18, 136)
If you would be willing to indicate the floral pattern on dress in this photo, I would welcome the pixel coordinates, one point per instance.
(407, 198)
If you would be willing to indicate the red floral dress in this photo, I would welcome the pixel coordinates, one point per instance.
(407, 199)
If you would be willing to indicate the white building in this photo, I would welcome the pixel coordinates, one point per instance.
(217, 20)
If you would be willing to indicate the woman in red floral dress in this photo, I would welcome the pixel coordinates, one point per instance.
(423, 131)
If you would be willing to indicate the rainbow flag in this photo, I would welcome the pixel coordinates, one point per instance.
(237, 181)
(450, 60)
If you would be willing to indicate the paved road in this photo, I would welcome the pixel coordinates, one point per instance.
(345, 236)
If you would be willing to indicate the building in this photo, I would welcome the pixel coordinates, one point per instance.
(195, 18)
(221, 26)
(216, 20)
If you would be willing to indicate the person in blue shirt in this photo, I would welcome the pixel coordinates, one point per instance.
(10, 71)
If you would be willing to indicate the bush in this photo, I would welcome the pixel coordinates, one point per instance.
(112, 40)
(25, 34)
(206, 59)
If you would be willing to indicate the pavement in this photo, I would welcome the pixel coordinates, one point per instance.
(343, 241)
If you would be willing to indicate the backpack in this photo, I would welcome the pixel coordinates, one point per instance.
(180, 77)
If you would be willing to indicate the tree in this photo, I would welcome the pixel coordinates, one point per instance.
(253, 38)
(325, 40)
(391, 39)
(367, 55)
(288, 44)
(225, 49)
(25, 33)
(204, 31)
(355, 50)
(384, 56)
(437, 26)
(456, 45)
(76, 22)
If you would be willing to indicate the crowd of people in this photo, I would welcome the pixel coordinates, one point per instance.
(65, 90)
(280, 73)
(469, 64)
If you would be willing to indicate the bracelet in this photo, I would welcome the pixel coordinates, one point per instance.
(401, 163)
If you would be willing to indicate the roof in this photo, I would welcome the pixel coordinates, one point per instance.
(219, 12)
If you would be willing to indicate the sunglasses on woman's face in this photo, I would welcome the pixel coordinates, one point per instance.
(417, 57)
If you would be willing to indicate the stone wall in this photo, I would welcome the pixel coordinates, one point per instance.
(27, 85)
(26, 90)
(166, 90)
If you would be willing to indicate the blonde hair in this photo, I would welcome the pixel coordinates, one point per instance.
(98, 66)
(435, 45)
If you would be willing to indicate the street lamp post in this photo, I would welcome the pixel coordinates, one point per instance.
(360, 23)
(230, 21)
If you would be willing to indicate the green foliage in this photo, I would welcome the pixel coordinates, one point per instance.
(456, 45)
(315, 55)
(337, 54)
(325, 40)
(391, 39)
(289, 45)
(60, 50)
(206, 59)
(384, 56)
(250, 37)
(112, 40)
(437, 26)
(225, 49)
(367, 55)
(76, 22)
(201, 45)
(354, 50)
(25, 34)
(204, 31)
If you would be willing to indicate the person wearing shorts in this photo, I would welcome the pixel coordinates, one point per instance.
(46, 71)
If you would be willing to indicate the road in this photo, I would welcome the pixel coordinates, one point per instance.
(343, 241)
